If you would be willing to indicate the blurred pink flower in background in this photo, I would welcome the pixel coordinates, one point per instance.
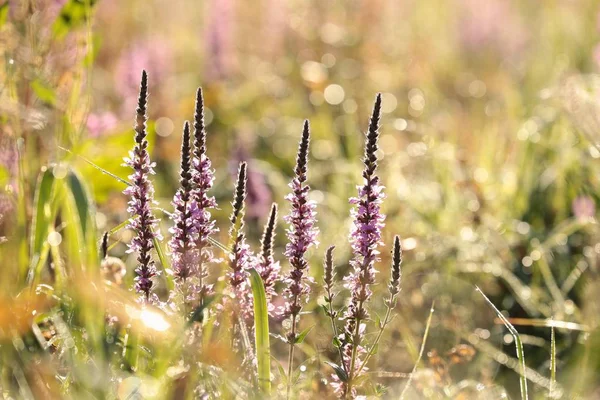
(9, 159)
(218, 39)
(491, 24)
(99, 123)
(275, 27)
(153, 55)
(259, 196)
(583, 207)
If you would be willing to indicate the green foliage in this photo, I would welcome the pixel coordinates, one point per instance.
(261, 332)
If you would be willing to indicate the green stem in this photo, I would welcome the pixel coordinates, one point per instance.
(291, 357)
(386, 321)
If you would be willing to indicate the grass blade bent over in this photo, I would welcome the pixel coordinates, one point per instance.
(518, 343)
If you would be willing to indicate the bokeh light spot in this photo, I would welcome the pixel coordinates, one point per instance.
(164, 126)
(334, 94)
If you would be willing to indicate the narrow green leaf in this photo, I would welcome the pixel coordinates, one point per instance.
(87, 216)
(302, 335)
(43, 218)
(261, 327)
(43, 92)
(281, 370)
(82, 201)
(339, 371)
(337, 342)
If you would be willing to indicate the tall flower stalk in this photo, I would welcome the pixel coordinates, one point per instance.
(240, 255)
(141, 192)
(365, 237)
(266, 266)
(202, 179)
(184, 232)
(302, 234)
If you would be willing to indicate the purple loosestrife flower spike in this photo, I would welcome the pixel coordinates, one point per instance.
(365, 236)
(240, 256)
(141, 192)
(202, 178)
(329, 273)
(267, 267)
(394, 285)
(184, 233)
(302, 233)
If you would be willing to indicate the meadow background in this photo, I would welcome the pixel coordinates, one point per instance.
(489, 149)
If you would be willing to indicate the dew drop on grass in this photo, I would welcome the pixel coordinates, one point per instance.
(54, 238)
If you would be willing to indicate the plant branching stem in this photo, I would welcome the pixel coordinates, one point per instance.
(335, 331)
(386, 320)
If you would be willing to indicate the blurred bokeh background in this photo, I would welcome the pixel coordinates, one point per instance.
(490, 145)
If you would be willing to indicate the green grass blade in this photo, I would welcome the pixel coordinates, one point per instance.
(219, 245)
(43, 218)
(42, 212)
(261, 328)
(425, 335)
(87, 217)
(518, 344)
(117, 228)
(118, 178)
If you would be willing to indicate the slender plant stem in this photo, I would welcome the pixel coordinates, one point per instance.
(386, 321)
(291, 356)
